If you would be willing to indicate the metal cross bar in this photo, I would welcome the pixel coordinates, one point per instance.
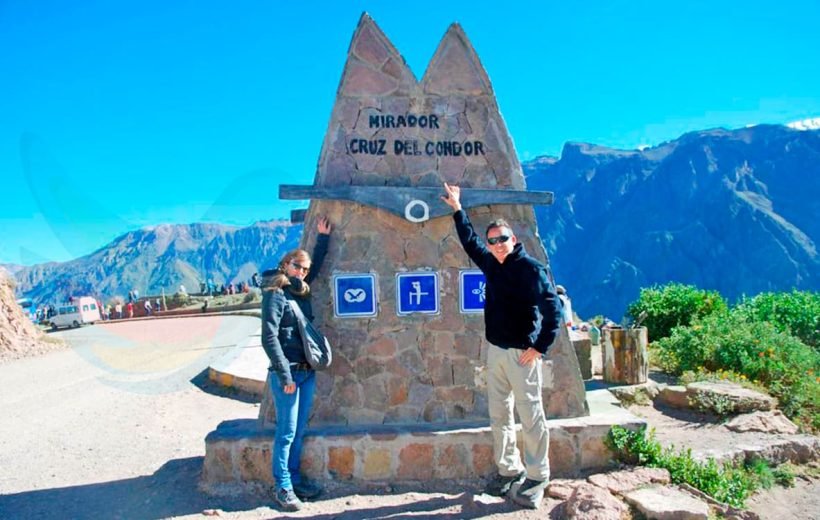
(416, 204)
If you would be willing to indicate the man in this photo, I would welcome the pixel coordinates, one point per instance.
(521, 320)
(566, 304)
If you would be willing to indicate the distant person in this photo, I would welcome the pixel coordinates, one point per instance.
(159, 305)
(566, 303)
(255, 280)
(130, 309)
(521, 320)
(594, 334)
(292, 380)
(147, 306)
(118, 310)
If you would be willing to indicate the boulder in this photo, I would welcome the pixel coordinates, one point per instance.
(619, 482)
(635, 394)
(726, 397)
(674, 396)
(667, 503)
(562, 489)
(590, 502)
(766, 422)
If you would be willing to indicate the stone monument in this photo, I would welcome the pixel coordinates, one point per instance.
(397, 296)
(390, 145)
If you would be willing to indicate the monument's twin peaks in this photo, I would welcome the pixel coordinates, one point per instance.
(376, 68)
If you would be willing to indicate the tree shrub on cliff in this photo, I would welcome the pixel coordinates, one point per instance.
(796, 312)
(672, 305)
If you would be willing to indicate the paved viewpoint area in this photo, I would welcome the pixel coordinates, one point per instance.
(114, 426)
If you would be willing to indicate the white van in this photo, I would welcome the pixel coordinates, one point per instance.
(83, 310)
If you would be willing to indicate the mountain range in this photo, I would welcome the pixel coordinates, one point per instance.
(734, 211)
(162, 257)
(737, 211)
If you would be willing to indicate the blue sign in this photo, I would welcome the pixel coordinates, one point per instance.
(354, 295)
(472, 291)
(417, 293)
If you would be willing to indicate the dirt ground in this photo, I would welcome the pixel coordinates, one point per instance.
(98, 432)
(705, 434)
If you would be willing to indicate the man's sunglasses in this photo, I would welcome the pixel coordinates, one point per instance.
(500, 239)
(300, 267)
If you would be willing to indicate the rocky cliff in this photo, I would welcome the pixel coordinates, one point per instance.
(18, 336)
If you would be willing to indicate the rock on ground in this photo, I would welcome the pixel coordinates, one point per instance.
(590, 502)
(667, 503)
(766, 422)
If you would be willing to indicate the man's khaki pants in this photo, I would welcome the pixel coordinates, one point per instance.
(508, 383)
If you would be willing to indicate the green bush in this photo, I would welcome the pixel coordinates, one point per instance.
(728, 483)
(755, 350)
(672, 305)
(797, 313)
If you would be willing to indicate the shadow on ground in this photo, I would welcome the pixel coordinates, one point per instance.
(695, 418)
(203, 382)
(170, 491)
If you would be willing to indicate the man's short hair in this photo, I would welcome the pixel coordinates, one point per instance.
(498, 223)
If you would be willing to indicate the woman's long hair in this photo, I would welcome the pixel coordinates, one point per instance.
(278, 278)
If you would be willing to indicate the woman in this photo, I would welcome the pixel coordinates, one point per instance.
(292, 380)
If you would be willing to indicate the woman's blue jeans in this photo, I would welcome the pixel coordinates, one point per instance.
(292, 414)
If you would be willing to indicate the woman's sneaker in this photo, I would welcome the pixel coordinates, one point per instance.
(287, 500)
(306, 489)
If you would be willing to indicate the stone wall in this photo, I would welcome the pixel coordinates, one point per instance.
(237, 452)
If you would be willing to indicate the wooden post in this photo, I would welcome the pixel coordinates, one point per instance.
(583, 350)
(625, 355)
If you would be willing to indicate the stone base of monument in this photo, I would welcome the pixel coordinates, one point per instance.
(238, 453)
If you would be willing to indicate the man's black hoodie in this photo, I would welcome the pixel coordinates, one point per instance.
(521, 308)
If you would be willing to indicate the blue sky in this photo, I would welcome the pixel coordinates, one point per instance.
(116, 115)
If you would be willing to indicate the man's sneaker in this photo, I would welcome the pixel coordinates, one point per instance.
(530, 493)
(500, 485)
(306, 489)
(287, 500)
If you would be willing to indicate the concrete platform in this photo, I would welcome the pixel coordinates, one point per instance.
(246, 371)
(238, 452)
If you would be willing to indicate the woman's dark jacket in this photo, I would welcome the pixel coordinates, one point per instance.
(521, 307)
(280, 328)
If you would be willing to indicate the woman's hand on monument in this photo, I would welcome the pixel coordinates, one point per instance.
(453, 198)
(323, 226)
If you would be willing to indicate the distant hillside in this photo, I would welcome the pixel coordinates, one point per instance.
(163, 257)
(736, 211)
